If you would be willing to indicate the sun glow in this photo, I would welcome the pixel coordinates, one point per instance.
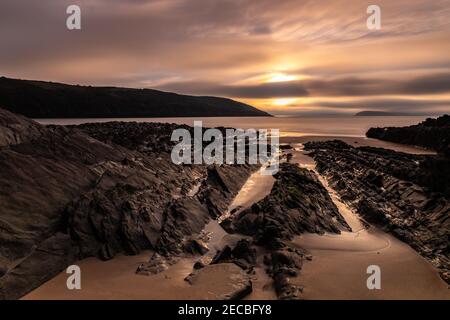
(283, 102)
(281, 77)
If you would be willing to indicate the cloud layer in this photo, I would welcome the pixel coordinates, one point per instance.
(235, 47)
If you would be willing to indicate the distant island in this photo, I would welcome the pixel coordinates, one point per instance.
(41, 99)
(371, 113)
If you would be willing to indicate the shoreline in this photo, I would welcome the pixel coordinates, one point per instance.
(335, 272)
(358, 141)
(338, 267)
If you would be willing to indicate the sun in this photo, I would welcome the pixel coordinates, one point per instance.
(281, 77)
(283, 102)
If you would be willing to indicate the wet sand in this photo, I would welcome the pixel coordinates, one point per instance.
(255, 189)
(337, 271)
(339, 264)
(116, 278)
(338, 268)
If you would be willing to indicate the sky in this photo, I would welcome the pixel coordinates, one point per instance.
(287, 57)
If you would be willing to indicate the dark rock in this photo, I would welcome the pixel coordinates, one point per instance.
(155, 265)
(51, 257)
(432, 171)
(108, 187)
(242, 255)
(222, 185)
(183, 217)
(432, 134)
(202, 262)
(282, 265)
(224, 255)
(15, 129)
(298, 203)
(391, 190)
(198, 265)
(244, 251)
(289, 157)
(196, 246)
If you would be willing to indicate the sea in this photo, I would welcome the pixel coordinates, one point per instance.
(351, 126)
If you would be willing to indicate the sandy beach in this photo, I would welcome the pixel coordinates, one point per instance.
(116, 279)
(337, 270)
(225, 150)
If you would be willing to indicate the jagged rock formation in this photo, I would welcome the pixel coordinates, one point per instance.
(282, 265)
(432, 134)
(298, 203)
(72, 192)
(40, 99)
(147, 138)
(242, 254)
(393, 191)
(16, 129)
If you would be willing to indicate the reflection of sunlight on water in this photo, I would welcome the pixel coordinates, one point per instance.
(361, 241)
(255, 188)
(305, 161)
(315, 134)
(288, 126)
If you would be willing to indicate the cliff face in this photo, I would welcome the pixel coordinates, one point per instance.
(68, 193)
(432, 134)
(39, 99)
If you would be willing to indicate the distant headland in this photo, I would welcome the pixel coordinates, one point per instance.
(41, 99)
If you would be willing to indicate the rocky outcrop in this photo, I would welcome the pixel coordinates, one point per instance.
(101, 190)
(432, 172)
(298, 203)
(242, 255)
(282, 265)
(432, 134)
(39, 177)
(392, 190)
(49, 258)
(15, 129)
(147, 138)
